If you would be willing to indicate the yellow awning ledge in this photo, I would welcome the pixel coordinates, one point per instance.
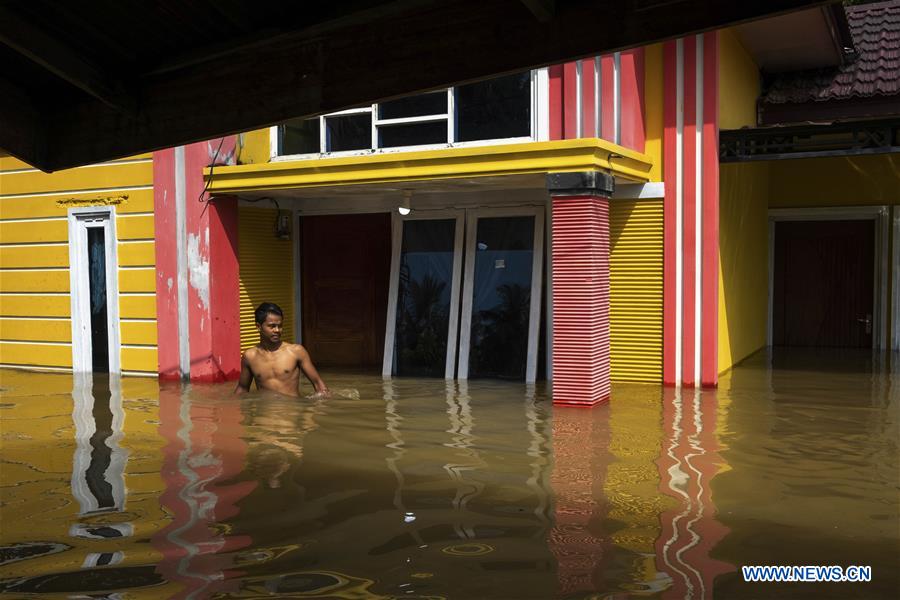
(586, 154)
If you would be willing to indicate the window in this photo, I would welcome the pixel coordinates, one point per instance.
(496, 109)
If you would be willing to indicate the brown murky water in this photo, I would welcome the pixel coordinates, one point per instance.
(427, 489)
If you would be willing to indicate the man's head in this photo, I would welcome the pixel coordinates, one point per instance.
(269, 320)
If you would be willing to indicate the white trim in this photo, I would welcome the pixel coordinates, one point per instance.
(679, 204)
(79, 220)
(548, 316)
(579, 108)
(655, 190)
(895, 269)
(617, 97)
(387, 365)
(36, 368)
(24, 318)
(182, 269)
(451, 109)
(540, 107)
(698, 207)
(298, 278)
(598, 96)
(34, 219)
(39, 342)
(472, 218)
(33, 244)
(879, 214)
(412, 120)
(398, 149)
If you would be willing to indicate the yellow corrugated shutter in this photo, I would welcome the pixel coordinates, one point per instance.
(266, 271)
(636, 290)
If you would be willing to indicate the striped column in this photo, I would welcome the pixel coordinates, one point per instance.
(691, 173)
(580, 286)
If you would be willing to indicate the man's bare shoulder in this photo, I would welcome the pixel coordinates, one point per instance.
(251, 353)
(296, 349)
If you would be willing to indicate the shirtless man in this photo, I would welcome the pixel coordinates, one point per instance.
(273, 364)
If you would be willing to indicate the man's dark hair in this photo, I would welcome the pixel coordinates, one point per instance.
(265, 309)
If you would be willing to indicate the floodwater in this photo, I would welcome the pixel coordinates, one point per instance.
(424, 489)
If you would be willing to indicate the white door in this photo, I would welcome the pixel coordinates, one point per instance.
(94, 290)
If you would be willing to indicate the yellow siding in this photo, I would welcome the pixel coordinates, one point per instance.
(137, 307)
(140, 359)
(35, 305)
(36, 354)
(47, 330)
(138, 332)
(9, 163)
(86, 178)
(636, 290)
(135, 228)
(137, 254)
(34, 281)
(56, 205)
(34, 257)
(267, 271)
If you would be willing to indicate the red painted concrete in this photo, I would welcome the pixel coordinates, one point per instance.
(570, 99)
(588, 98)
(709, 355)
(555, 73)
(166, 263)
(580, 267)
(632, 99)
(689, 222)
(669, 214)
(607, 99)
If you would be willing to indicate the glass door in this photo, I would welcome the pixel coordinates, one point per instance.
(423, 302)
(502, 294)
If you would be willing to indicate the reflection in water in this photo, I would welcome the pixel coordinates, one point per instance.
(422, 488)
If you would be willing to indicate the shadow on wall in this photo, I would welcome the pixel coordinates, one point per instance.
(743, 260)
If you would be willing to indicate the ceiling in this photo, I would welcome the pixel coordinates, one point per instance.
(88, 81)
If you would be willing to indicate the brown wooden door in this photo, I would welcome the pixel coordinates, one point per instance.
(824, 274)
(346, 261)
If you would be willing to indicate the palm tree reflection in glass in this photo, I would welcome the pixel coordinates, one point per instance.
(500, 335)
(422, 321)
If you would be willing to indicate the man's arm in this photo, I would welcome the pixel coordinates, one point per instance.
(306, 365)
(243, 384)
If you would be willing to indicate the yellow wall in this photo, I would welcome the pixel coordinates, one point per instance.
(835, 181)
(267, 271)
(35, 328)
(738, 83)
(253, 147)
(743, 260)
(653, 108)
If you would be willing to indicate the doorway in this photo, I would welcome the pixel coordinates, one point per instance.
(94, 290)
(824, 279)
(345, 262)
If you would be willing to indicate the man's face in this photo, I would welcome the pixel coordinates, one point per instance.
(270, 329)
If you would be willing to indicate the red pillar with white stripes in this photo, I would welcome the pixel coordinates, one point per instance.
(580, 286)
(691, 239)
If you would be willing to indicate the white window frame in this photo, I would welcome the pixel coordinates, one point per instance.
(534, 316)
(397, 221)
(878, 214)
(539, 126)
(79, 221)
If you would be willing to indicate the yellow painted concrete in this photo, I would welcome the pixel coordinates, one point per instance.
(835, 181)
(140, 359)
(36, 354)
(34, 257)
(9, 163)
(34, 232)
(506, 159)
(109, 175)
(743, 261)
(46, 330)
(253, 147)
(137, 307)
(35, 305)
(138, 254)
(37, 205)
(653, 109)
(135, 228)
(137, 280)
(738, 83)
(138, 332)
(35, 281)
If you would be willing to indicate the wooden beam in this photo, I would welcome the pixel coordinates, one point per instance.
(413, 51)
(24, 133)
(61, 60)
(543, 10)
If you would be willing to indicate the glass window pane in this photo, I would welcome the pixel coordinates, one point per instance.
(299, 136)
(412, 134)
(420, 105)
(423, 299)
(349, 132)
(501, 302)
(494, 109)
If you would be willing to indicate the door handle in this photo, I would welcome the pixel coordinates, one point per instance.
(868, 322)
